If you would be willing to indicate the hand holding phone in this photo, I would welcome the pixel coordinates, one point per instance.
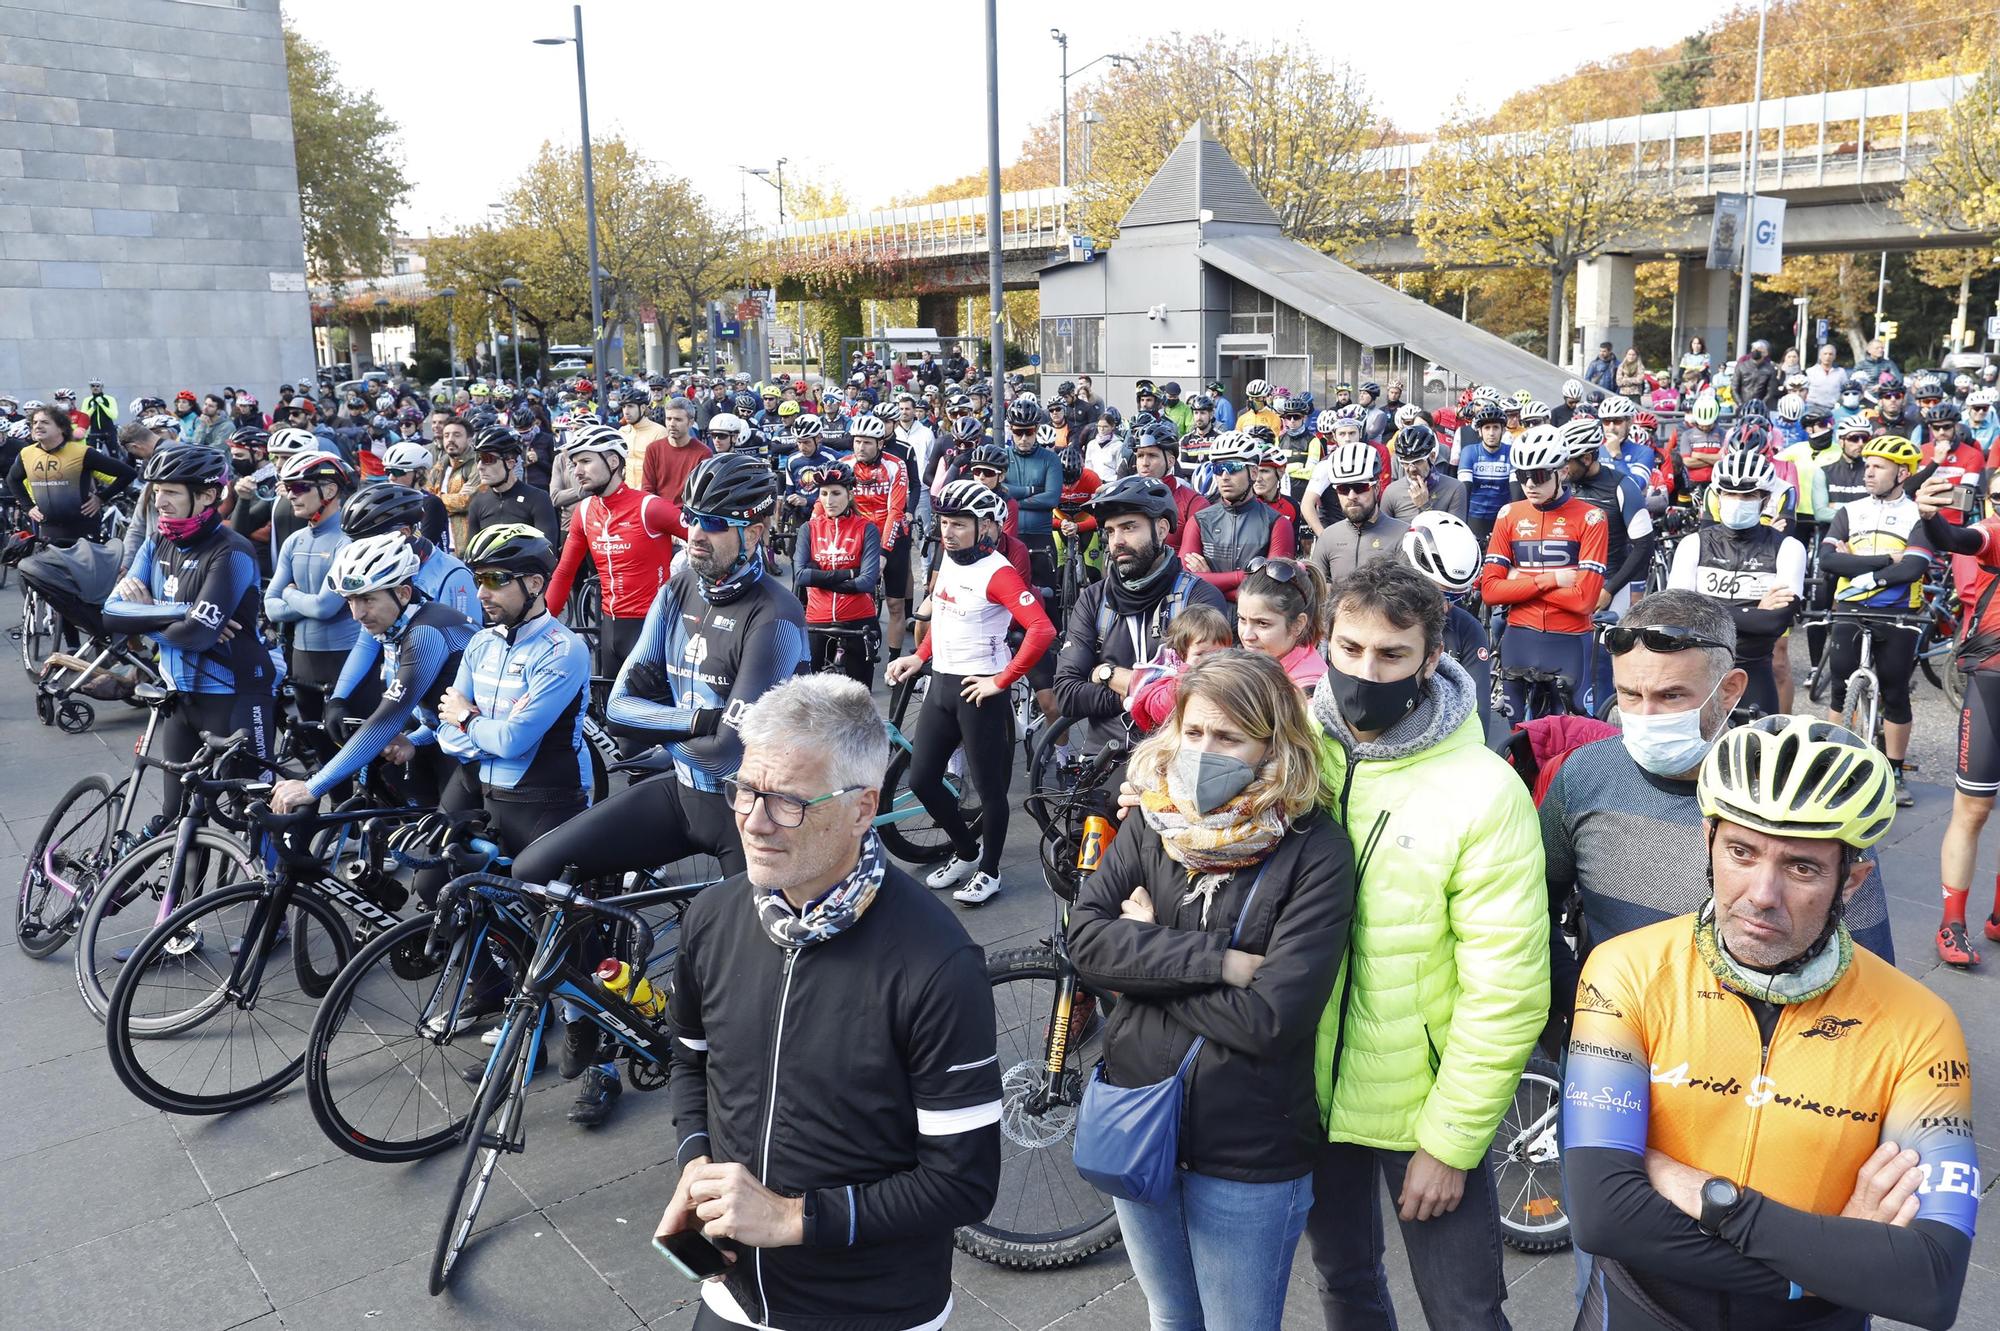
(691, 1254)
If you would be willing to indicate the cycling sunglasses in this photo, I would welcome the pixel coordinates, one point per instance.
(1354, 488)
(1228, 468)
(1293, 416)
(493, 579)
(712, 523)
(301, 487)
(1658, 638)
(1277, 570)
(1539, 476)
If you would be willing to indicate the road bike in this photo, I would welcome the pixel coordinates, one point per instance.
(1862, 711)
(907, 828)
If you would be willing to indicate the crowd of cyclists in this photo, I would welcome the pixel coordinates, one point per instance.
(1311, 637)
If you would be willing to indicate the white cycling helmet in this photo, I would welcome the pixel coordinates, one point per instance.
(1573, 390)
(162, 421)
(1791, 407)
(1741, 472)
(596, 437)
(868, 426)
(1045, 436)
(1443, 548)
(970, 499)
(1406, 413)
(1540, 449)
(1536, 413)
(1349, 463)
(1982, 397)
(1705, 412)
(725, 422)
(372, 564)
(317, 468)
(1258, 388)
(408, 456)
(1616, 408)
(1234, 446)
(1582, 436)
(1326, 420)
(290, 441)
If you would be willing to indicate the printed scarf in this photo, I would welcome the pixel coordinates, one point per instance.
(1811, 980)
(1213, 843)
(832, 912)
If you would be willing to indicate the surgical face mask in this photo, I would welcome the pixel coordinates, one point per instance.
(1740, 514)
(1210, 779)
(1667, 743)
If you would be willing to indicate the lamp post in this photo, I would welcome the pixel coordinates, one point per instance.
(994, 309)
(766, 174)
(1116, 58)
(450, 295)
(382, 319)
(589, 206)
(512, 286)
(1750, 191)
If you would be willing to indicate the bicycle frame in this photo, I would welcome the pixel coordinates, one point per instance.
(127, 795)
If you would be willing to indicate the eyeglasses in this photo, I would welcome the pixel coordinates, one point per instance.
(301, 487)
(1226, 468)
(1539, 476)
(493, 579)
(712, 523)
(1354, 488)
(1658, 638)
(1277, 570)
(1293, 416)
(784, 810)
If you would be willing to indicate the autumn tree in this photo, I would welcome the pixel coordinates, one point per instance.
(350, 177)
(1545, 196)
(477, 260)
(1954, 270)
(703, 253)
(1958, 186)
(1841, 286)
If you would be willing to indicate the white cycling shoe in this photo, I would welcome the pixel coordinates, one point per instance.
(951, 873)
(982, 889)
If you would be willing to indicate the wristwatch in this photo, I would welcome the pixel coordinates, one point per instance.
(1719, 1200)
(1103, 673)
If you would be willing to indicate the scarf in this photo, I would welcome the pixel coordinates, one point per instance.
(1216, 843)
(833, 911)
(1811, 980)
(1143, 595)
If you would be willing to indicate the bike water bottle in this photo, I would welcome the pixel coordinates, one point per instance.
(616, 976)
(1097, 834)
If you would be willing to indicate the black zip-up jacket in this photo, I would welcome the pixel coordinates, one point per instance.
(859, 1073)
(1250, 1113)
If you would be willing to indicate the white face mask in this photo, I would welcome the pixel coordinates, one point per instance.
(1740, 514)
(1667, 743)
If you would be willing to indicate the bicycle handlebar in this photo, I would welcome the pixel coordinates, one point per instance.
(450, 899)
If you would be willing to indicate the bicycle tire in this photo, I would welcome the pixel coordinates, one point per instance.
(37, 629)
(141, 1057)
(1927, 652)
(1538, 1094)
(106, 927)
(496, 1095)
(918, 839)
(1027, 1138)
(1954, 682)
(1863, 713)
(46, 916)
(359, 1018)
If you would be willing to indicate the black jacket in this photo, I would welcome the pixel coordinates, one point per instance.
(880, 1047)
(1250, 1113)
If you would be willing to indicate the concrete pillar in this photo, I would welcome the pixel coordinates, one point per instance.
(655, 354)
(1604, 298)
(939, 312)
(1706, 312)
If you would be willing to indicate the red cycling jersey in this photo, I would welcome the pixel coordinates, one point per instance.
(837, 545)
(1529, 547)
(630, 537)
(882, 496)
(1958, 463)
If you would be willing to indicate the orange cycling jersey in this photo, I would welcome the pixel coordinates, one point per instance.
(1529, 547)
(1663, 1055)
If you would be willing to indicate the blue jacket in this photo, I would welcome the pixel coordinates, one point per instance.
(1035, 481)
(298, 594)
(195, 589)
(1487, 475)
(441, 577)
(1603, 373)
(529, 684)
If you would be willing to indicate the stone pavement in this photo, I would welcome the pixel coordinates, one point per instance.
(116, 1216)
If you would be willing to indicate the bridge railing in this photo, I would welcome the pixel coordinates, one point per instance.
(1036, 218)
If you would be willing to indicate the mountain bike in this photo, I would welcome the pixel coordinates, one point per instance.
(1526, 1157)
(1049, 1033)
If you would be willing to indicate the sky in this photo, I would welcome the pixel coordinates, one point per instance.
(698, 88)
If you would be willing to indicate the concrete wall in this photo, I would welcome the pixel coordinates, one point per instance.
(149, 212)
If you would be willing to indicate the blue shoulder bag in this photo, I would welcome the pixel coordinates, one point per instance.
(1128, 1137)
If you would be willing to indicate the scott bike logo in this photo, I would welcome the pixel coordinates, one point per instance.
(1829, 1028)
(1589, 998)
(1948, 1072)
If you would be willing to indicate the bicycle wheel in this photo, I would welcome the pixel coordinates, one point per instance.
(1044, 1215)
(1954, 681)
(127, 903)
(1527, 1163)
(63, 866)
(487, 1130)
(182, 1038)
(917, 839)
(388, 1052)
(1863, 710)
(37, 630)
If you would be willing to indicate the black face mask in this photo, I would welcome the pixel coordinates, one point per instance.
(1372, 706)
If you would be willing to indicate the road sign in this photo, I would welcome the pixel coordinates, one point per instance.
(1993, 327)
(1035, 359)
(1821, 329)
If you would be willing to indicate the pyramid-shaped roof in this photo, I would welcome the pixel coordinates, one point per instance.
(1199, 174)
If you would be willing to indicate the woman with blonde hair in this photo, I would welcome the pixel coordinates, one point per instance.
(1220, 916)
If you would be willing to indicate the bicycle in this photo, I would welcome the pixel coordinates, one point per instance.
(88, 831)
(1937, 643)
(1527, 1148)
(180, 1011)
(40, 627)
(1049, 1033)
(1862, 713)
(496, 1124)
(906, 826)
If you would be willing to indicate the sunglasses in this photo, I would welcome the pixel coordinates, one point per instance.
(711, 523)
(493, 579)
(1227, 468)
(784, 810)
(1658, 638)
(1277, 570)
(986, 472)
(1293, 416)
(1539, 476)
(493, 457)
(1352, 488)
(301, 487)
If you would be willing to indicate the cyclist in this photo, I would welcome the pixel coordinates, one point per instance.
(1423, 487)
(1765, 1125)
(881, 496)
(504, 495)
(421, 641)
(837, 566)
(1876, 546)
(1341, 425)
(193, 589)
(1269, 475)
(1484, 468)
(1698, 442)
(1238, 528)
(1983, 420)
(1752, 568)
(62, 483)
(408, 464)
(1621, 450)
(1035, 482)
(1257, 408)
(1353, 472)
(1546, 562)
(1628, 522)
(313, 622)
(1156, 455)
(629, 535)
(1444, 548)
(975, 596)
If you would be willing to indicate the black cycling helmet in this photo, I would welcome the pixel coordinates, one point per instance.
(1156, 434)
(1817, 413)
(1489, 413)
(1072, 465)
(381, 507)
(1941, 413)
(187, 464)
(746, 405)
(1134, 494)
(251, 436)
(1024, 413)
(836, 473)
(513, 546)
(966, 428)
(731, 485)
(1262, 433)
(500, 440)
(989, 455)
(1415, 442)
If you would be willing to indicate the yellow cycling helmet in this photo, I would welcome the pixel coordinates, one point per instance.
(1797, 777)
(787, 408)
(1894, 448)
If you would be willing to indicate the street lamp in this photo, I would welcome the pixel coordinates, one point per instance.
(382, 318)
(450, 295)
(765, 174)
(1062, 40)
(1089, 118)
(589, 205)
(512, 286)
(1750, 146)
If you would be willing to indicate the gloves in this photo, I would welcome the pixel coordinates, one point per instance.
(706, 721)
(332, 716)
(1861, 585)
(646, 680)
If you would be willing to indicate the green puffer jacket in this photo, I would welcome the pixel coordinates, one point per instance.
(1449, 950)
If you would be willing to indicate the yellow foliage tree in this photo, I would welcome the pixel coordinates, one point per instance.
(1840, 286)
(1954, 269)
(1958, 188)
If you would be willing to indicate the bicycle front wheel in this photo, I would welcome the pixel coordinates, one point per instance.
(1044, 1214)
(137, 893)
(389, 1052)
(1527, 1163)
(1864, 706)
(64, 865)
(487, 1131)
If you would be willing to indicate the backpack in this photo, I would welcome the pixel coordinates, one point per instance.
(1537, 749)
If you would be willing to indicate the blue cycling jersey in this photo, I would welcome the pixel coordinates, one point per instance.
(529, 685)
(196, 589)
(1487, 474)
(420, 657)
(441, 578)
(297, 593)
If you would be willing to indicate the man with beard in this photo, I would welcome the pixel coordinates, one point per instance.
(1120, 621)
(457, 476)
(1238, 529)
(1367, 533)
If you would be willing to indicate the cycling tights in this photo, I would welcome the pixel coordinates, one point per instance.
(1895, 662)
(615, 640)
(516, 823)
(984, 732)
(643, 826)
(179, 736)
(1762, 691)
(1979, 735)
(1536, 649)
(313, 676)
(857, 655)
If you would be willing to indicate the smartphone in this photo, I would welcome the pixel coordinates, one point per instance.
(692, 1255)
(1965, 498)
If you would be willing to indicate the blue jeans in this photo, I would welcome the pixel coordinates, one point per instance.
(1217, 1254)
(1454, 1257)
